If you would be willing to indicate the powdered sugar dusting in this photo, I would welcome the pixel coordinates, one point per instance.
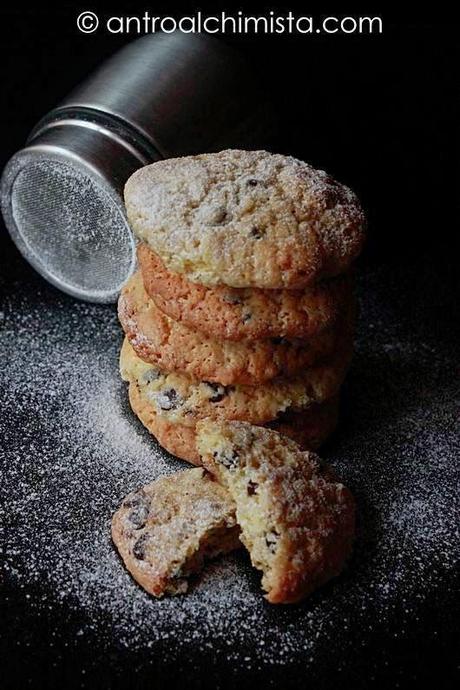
(72, 450)
(245, 218)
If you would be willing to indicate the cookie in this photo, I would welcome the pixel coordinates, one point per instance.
(165, 531)
(171, 346)
(245, 219)
(182, 400)
(243, 314)
(297, 521)
(309, 428)
(177, 439)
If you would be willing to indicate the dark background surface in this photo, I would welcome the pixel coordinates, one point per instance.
(379, 113)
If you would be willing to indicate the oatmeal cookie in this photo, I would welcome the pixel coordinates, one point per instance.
(245, 219)
(166, 530)
(297, 521)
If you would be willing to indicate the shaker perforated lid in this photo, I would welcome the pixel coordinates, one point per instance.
(160, 96)
(69, 224)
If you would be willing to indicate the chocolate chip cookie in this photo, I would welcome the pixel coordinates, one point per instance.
(297, 521)
(245, 219)
(171, 346)
(309, 428)
(243, 314)
(183, 400)
(166, 530)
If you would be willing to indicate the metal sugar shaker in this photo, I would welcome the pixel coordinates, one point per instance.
(160, 96)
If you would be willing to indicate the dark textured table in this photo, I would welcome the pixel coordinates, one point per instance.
(71, 449)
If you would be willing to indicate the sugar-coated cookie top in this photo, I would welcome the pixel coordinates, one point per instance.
(245, 219)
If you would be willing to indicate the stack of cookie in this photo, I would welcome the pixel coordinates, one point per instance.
(242, 307)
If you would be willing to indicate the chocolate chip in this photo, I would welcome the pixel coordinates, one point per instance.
(227, 457)
(332, 198)
(252, 488)
(132, 502)
(284, 415)
(271, 540)
(220, 215)
(150, 375)
(218, 391)
(257, 233)
(139, 548)
(252, 182)
(278, 341)
(138, 516)
(246, 317)
(136, 499)
(168, 399)
(232, 298)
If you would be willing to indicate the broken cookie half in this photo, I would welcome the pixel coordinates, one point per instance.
(297, 521)
(166, 530)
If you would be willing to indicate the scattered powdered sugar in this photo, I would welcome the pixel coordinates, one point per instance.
(72, 449)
